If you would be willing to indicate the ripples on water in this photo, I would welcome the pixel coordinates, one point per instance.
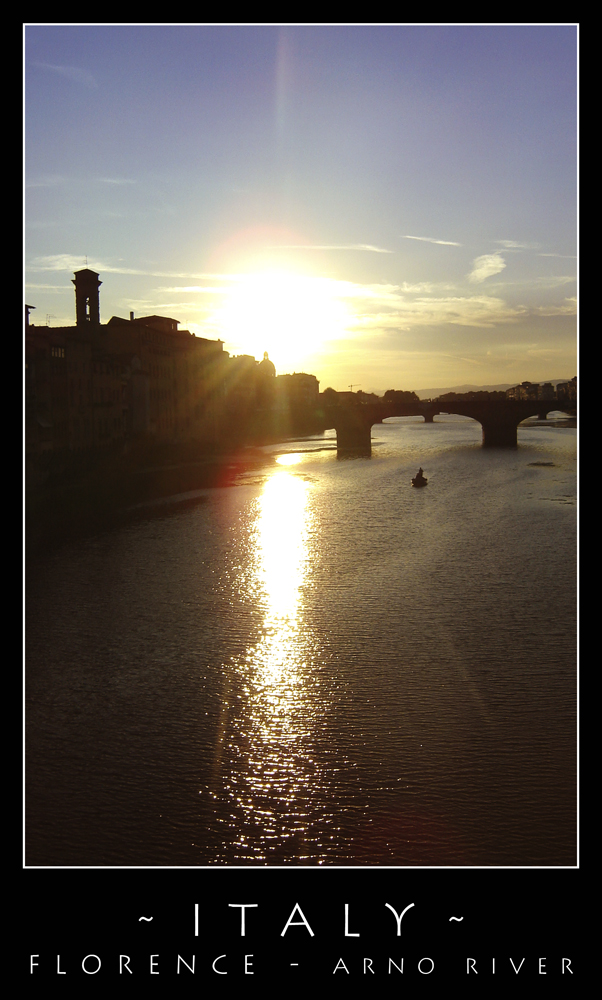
(319, 665)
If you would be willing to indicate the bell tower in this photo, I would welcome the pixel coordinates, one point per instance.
(87, 300)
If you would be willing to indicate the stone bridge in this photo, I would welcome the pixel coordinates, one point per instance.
(498, 418)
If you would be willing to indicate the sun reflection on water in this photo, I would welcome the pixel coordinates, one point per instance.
(274, 701)
(282, 548)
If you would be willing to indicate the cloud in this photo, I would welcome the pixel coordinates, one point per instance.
(429, 239)
(50, 180)
(426, 286)
(545, 281)
(515, 245)
(482, 311)
(566, 256)
(53, 180)
(62, 289)
(69, 262)
(72, 73)
(376, 292)
(485, 266)
(380, 307)
(42, 224)
(367, 246)
(116, 180)
(200, 289)
(546, 352)
(377, 309)
(568, 308)
(328, 246)
(374, 309)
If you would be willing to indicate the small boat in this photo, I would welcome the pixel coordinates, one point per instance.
(419, 479)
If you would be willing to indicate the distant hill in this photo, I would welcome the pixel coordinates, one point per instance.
(431, 393)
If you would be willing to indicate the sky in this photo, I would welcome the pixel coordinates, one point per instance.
(389, 206)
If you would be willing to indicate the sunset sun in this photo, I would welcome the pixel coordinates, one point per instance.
(291, 316)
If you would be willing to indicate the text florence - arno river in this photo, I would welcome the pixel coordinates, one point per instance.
(250, 964)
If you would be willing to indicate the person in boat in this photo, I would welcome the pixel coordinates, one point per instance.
(419, 475)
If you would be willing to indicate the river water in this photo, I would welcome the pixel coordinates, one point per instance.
(318, 665)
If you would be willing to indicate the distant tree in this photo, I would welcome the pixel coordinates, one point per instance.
(401, 396)
(479, 394)
(331, 396)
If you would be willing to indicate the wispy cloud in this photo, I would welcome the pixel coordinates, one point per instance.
(545, 352)
(549, 281)
(80, 76)
(426, 286)
(48, 288)
(539, 282)
(565, 256)
(329, 246)
(381, 306)
(53, 180)
(116, 180)
(485, 266)
(50, 180)
(197, 289)
(70, 262)
(568, 308)
(377, 309)
(429, 239)
(515, 245)
(482, 311)
(42, 224)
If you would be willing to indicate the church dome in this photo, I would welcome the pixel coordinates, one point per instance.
(266, 367)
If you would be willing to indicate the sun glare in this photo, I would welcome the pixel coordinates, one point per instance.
(290, 316)
(282, 526)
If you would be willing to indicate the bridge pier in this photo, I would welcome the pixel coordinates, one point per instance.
(353, 433)
(499, 434)
(354, 442)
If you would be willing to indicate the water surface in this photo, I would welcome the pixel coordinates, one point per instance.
(319, 665)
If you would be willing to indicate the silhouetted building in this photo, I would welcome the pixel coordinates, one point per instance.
(564, 391)
(567, 391)
(176, 378)
(96, 386)
(266, 368)
(266, 384)
(99, 386)
(298, 405)
(297, 390)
